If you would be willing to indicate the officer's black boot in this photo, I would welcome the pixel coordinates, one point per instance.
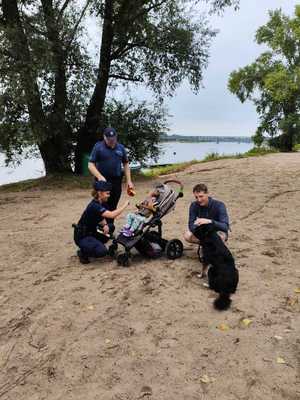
(82, 257)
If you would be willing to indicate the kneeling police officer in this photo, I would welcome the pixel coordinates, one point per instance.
(86, 234)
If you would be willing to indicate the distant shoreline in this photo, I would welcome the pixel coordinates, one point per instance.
(205, 139)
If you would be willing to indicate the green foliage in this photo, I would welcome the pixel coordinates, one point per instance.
(272, 82)
(139, 127)
(296, 147)
(159, 44)
(254, 152)
(52, 88)
(62, 105)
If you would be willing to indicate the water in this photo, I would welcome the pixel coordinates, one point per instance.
(172, 152)
(175, 152)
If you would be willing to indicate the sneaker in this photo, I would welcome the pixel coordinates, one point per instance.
(127, 232)
(124, 229)
(82, 258)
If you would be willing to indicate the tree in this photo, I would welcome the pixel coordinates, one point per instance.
(43, 74)
(156, 43)
(140, 127)
(272, 82)
(50, 94)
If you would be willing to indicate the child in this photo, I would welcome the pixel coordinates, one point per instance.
(136, 220)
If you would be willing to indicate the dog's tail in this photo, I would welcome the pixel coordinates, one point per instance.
(222, 302)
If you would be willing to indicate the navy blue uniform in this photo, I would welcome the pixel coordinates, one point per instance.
(109, 162)
(215, 210)
(86, 236)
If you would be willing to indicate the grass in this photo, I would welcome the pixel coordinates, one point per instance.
(297, 147)
(254, 152)
(65, 181)
(168, 169)
(214, 156)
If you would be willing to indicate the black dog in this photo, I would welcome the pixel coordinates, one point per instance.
(223, 277)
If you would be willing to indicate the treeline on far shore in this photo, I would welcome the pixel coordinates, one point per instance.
(217, 139)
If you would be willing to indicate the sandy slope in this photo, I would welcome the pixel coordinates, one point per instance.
(150, 332)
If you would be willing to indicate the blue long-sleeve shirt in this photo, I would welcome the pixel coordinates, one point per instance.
(215, 210)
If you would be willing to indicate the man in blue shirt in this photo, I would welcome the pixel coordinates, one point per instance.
(105, 163)
(206, 210)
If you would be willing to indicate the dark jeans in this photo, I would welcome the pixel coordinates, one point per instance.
(92, 245)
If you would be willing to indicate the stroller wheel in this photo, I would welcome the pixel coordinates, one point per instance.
(123, 259)
(174, 249)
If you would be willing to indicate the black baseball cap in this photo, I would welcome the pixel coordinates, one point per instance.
(109, 132)
(102, 186)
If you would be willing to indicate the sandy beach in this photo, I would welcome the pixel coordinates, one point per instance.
(104, 332)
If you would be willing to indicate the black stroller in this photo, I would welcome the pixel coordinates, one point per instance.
(148, 241)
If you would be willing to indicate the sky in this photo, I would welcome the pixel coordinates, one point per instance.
(214, 110)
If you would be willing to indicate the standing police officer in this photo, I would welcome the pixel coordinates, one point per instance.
(105, 164)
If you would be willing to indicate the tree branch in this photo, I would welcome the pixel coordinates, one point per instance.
(147, 10)
(122, 51)
(62, 10)
(127, 46)
(77, 24)
(125, 77)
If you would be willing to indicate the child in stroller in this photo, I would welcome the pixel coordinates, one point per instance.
(136, 220)
(146, 239)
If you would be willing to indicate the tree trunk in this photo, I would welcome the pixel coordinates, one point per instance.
(49, 132)
(289, 132)
(87, 135)
(287, 140)
(57, 149)
(56, 154)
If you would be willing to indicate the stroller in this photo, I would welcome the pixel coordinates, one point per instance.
(148, 241)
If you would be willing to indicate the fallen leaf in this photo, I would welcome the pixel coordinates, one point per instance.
(246, 322)
(90, 307)
(205, 379)
(297, 290)
(291, 301)
(280, 360)
(107, 341)
(278, 337)
(223, 327)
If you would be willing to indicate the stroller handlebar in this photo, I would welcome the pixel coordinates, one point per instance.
(177, 182)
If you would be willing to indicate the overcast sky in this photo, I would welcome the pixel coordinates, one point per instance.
(214, 110)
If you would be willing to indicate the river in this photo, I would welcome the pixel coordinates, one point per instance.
(171, 152)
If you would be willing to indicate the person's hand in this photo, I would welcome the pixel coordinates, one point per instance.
(101, 178)
(106, 229)
(202, 221)
(130, 185)
(130, 192)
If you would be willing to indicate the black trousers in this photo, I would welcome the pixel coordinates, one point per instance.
(115, 195)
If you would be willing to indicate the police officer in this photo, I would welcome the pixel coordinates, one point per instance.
(105, 164)
(93, 230)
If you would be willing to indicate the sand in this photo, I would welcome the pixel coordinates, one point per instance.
(104, 332)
